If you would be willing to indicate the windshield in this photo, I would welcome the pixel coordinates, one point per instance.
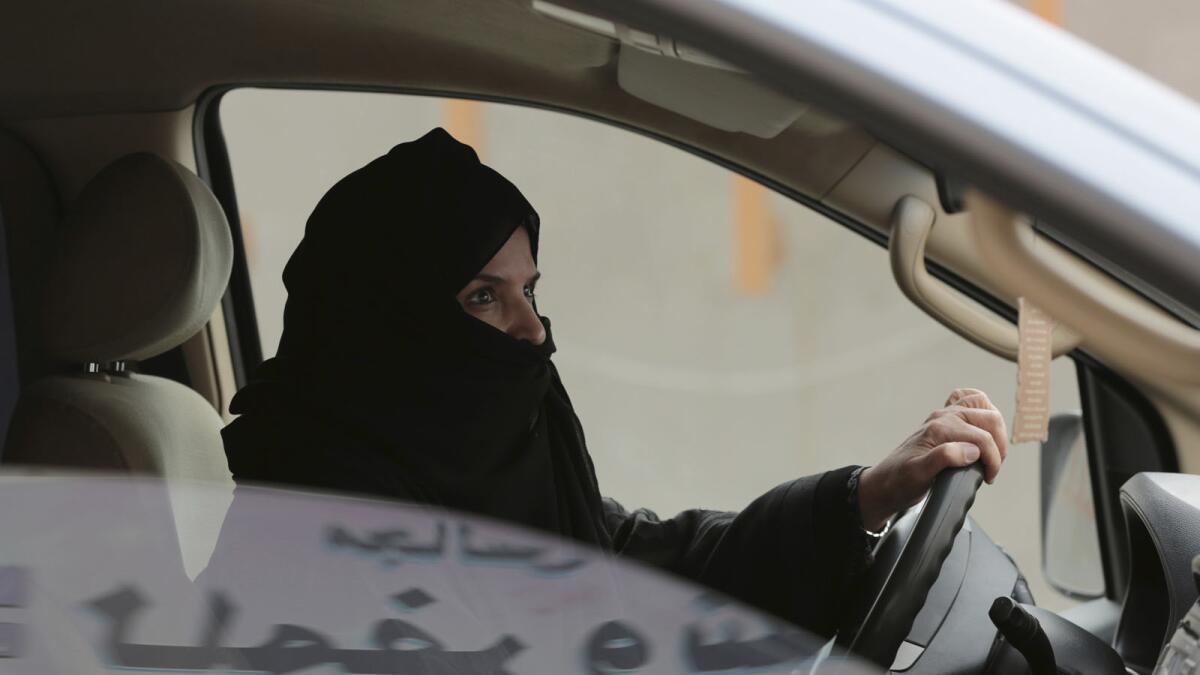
(116, 574)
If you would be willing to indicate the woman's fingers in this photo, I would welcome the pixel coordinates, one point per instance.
(950, 427)
(974, 407)
(950, 455)
(991, 421)
(969, 429)
(962, 393)
(979, 400)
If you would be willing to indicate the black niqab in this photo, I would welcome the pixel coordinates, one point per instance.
(400, 392)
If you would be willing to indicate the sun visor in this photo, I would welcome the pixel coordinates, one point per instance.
(721, 98)
(687, 81)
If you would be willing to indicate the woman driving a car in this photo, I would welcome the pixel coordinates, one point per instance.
(414, 365)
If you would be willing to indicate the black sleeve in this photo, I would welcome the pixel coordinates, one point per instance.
(794, 551)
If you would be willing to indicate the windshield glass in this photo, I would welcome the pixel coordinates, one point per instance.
(116, 574)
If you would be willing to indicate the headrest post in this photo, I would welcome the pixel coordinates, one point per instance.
(118, 368)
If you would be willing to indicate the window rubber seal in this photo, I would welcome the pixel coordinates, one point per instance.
(212, 164)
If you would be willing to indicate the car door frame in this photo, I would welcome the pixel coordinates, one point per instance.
(1125, 433)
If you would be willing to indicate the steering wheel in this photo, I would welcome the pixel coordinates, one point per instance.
(902, 595)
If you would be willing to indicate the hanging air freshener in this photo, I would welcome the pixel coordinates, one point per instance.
(1035, 330)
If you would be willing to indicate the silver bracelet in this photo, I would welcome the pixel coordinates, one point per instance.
(852, 496)
(887, 527)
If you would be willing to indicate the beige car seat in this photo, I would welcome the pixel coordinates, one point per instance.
(143, 260)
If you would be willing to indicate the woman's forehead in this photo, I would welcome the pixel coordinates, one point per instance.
(514, 259)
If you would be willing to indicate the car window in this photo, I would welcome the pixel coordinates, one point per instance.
(716, 338)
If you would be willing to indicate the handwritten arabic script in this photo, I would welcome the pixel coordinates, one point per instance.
(401, 647)
(394, 546)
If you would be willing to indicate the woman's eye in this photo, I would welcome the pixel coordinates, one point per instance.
(529, 292)
(482, 296)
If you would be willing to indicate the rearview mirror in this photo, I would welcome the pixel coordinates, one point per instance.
(1070, 543)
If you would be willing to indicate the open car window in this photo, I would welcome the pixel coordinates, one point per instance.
(716, 338)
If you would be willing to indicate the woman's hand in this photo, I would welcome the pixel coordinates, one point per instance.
(967, 429)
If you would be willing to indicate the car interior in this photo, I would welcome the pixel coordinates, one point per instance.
(127, 323)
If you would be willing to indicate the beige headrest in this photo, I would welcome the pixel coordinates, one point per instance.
(144, 259)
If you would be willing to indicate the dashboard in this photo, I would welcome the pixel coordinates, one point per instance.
(1162, 515)
(1157, 631)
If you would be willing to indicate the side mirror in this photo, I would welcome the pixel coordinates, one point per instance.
(1070, 543)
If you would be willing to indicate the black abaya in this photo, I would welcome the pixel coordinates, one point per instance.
(384, 386)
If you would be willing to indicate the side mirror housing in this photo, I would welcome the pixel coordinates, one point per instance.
(1070, 543)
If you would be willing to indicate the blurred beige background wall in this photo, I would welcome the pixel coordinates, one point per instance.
(716, 339)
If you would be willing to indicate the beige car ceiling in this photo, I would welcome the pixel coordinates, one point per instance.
(82, 58)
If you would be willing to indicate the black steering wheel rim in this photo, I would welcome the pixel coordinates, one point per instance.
(890, 617)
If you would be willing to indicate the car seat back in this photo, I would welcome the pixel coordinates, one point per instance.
(142, 261)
